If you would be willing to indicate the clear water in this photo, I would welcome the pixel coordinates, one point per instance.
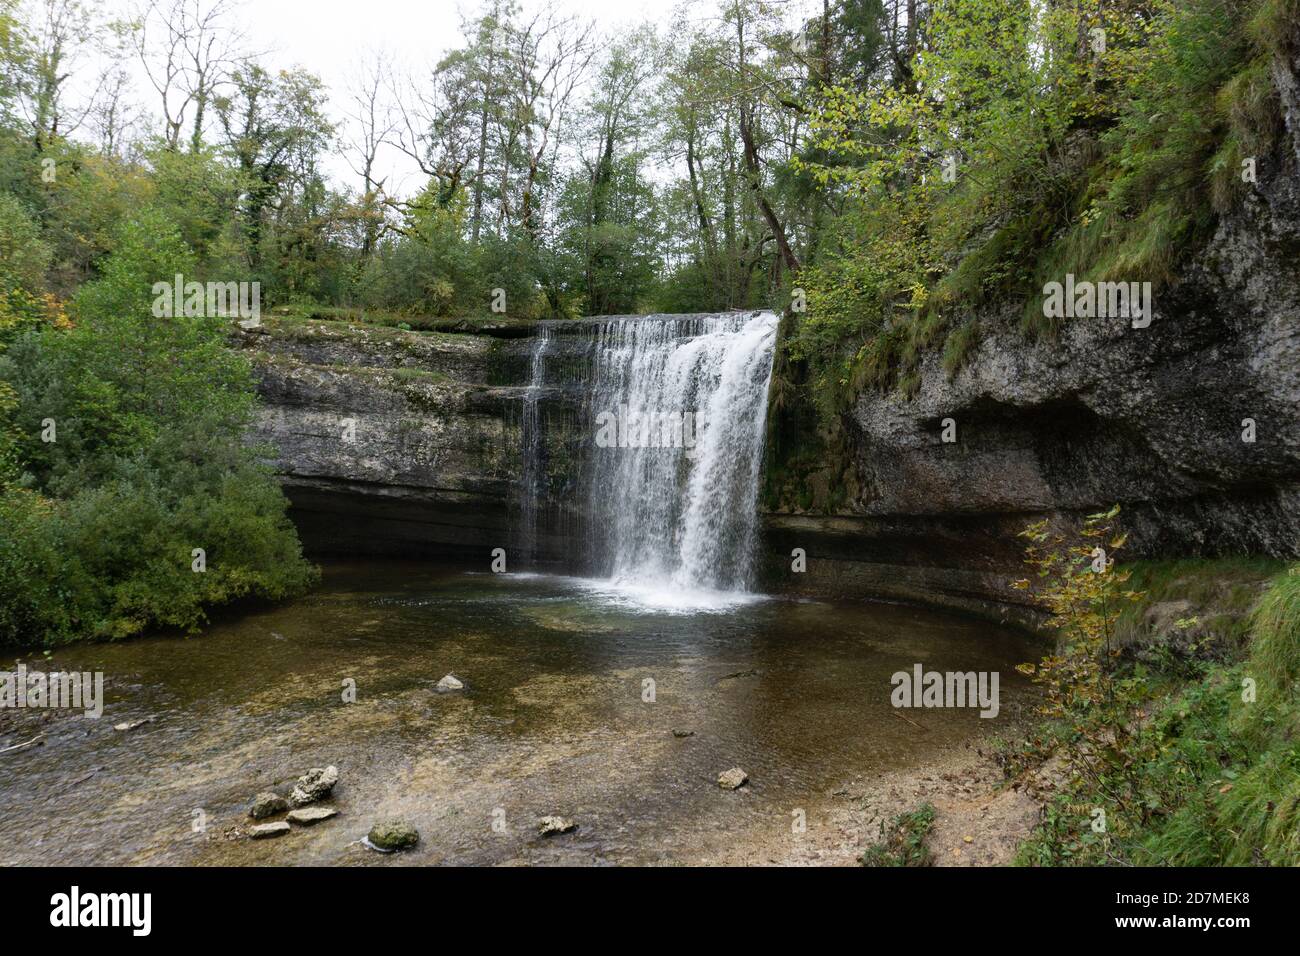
(553, 721)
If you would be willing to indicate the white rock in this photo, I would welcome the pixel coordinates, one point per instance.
(450, 682)
(732, 779)
(549, 826)
(306, 816)
(264, 831)
(314, 785)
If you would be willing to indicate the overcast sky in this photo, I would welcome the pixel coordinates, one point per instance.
(328, 37)
(331, 37)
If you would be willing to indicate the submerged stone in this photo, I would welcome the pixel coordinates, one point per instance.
(307, 816)
(264, 831)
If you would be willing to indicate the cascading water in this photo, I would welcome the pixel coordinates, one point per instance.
(664, 461)
(533, 474)
(673, 485)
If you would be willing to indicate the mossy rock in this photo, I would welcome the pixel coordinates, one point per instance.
(391, 835)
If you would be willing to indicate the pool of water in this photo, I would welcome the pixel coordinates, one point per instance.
(556, 718)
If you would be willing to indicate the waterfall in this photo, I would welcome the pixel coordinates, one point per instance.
(674, 498)
(532, 478)
(658, 424)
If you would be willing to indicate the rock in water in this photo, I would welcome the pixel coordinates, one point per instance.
(306, 816)
(393, 835)
(450, 682)
(267, 805)
(683, 733)
(732, 779)
(549, 826)
(314, 785)
(264, 831)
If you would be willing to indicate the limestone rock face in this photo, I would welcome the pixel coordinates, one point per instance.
(393, 442)
(1150, 418)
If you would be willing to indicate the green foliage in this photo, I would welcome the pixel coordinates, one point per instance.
(1012, 152)
(902, 840)
(24, 255)
(1275, 625)
(148, 464)
(1208, 768)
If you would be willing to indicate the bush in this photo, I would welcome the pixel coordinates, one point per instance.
(148, 464)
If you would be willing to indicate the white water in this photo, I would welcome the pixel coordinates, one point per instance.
(677, 525)
(533, 478)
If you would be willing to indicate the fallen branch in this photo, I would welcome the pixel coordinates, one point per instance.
(910, 721)
(22, 746)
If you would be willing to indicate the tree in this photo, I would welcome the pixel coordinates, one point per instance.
(64, 34)
(189, 51)
(372, 124)
(276, 127)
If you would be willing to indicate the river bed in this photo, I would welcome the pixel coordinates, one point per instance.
(556, 718)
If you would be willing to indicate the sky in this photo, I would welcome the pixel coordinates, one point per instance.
(331, 38)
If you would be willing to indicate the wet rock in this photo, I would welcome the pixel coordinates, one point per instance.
(267, 804)
(265, 831)
(314, 785)
(132, 724)
(550, 826)
(450, 682)
(732, 779)
(393, 835)
(683, 733)
(307, 816)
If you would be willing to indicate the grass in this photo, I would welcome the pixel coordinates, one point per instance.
(902, 840)
(1222, 592)
(1275, 625)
